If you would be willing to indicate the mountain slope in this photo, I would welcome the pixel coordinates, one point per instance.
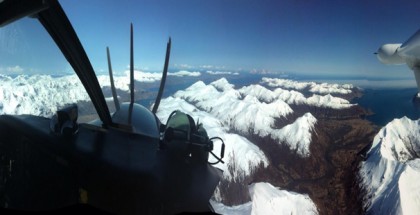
(297, 135)
(267, 199)
(391, 173)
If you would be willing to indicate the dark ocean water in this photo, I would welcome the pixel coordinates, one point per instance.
(388, 104)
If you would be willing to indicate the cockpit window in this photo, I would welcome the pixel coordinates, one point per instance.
(35, 76)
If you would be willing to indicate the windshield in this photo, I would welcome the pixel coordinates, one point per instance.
(35, 77)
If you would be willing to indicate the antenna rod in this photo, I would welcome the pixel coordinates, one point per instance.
(131, 64)
(165, 72)
(111, 78)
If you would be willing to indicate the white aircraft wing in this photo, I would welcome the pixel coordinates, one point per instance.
(411, 47)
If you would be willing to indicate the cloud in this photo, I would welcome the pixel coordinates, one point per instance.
(183, 66)
(221, 73)
(184, 73)
(145, 76)
(11, 69)
(123, 82)
(211, 67)
(199, 67)
(267, 72)
(206, 66)
(14, 69)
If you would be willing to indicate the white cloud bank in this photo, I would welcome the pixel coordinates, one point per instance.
(11, 70)
(184, 73)
(221, 73)
(123, 82)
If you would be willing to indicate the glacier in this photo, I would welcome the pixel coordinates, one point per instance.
(391, 173)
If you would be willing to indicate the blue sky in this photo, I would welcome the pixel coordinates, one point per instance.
(325, 38)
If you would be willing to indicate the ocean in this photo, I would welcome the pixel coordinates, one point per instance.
(388, 104)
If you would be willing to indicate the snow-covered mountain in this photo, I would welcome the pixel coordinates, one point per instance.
(321, 88)
(254, 109)
(42, 94)
(391, 173)
(267, 199)
(39, 94)
(298, 134)
(295, 97)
